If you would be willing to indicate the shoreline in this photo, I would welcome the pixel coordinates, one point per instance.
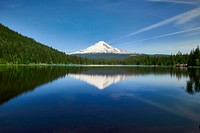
(92, 65)
(96, 65)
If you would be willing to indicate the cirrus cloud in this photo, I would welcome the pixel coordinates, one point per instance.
(177, 1)
(178, 19)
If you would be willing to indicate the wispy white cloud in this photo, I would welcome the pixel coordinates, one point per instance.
(176, 1)
(189, 16)
(178, 19)
(165, 35)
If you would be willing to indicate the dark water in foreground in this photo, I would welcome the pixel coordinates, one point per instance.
(99, 100)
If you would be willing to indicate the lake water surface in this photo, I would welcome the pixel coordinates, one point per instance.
(99, 100)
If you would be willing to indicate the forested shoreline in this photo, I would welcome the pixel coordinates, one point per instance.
(18, 49)
(192, 59)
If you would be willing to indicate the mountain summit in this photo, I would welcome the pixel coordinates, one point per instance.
(101, 47)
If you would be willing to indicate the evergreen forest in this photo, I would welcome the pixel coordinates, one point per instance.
(18, 49)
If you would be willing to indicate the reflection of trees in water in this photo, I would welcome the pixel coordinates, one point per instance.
(17, 80)
(174, 72)
(194, 81)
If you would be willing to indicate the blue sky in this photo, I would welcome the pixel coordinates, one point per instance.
(142, 26)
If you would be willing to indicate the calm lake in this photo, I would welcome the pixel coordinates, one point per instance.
(99, 100)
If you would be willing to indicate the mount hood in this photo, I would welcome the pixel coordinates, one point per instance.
(101, 47)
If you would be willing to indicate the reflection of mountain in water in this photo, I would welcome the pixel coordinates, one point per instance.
(100, 81)
(15, 81)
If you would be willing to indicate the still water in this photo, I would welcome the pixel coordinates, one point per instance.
(99, 100)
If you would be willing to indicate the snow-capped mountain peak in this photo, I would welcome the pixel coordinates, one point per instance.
(101, 47)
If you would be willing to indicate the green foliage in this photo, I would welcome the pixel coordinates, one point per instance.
(18, 49)
(158, 60)
(194, 57)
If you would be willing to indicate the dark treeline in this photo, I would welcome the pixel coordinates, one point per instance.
(18, 49)
(192, 59)
(159, 60)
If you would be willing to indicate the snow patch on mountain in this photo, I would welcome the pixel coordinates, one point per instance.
(101, 47)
